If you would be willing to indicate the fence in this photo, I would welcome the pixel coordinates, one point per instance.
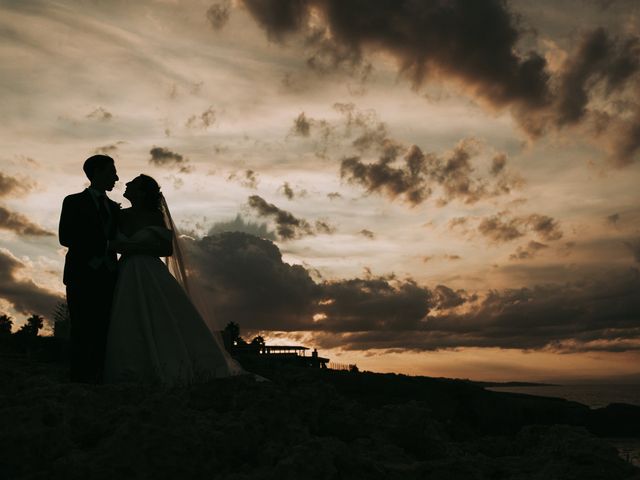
(342, 366)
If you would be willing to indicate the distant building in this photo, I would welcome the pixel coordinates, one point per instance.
(288, 354)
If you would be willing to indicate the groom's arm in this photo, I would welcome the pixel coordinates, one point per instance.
(67, 229)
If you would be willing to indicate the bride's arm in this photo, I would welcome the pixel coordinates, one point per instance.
(154, 239)
(155, 245)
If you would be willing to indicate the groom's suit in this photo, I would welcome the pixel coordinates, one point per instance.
(88, 222)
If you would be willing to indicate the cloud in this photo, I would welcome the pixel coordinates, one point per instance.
(289, 192)
(498, 163)
(246, 281)
(218, 14)
(372, 303)
(613, 218)
(24, 295)
(163, 157)
(446, 256)
(12, 186)
(474, 42)
(100, 114)
(475, 45)
(414, 179)
(301, 126)
(110, 149)
(203, 120)
(634, 246)
(247, 178)
(545, 226)
(528, 252)
(20, 224)
(600, 314)
(333, 195)
(322, 131)
(324, 227)
(239, 224)
(598, 58)
(501, 228)
(367, 234)
(287, 226)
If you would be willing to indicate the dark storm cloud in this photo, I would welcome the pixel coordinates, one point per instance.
(18, 223)
(598, 315)
(446, 298)
(599, 58)
(474, 42)
(287, 225)
(247, 282)
(372, 303)
(501, 227)
(100, 114)
(11, 186)
(203, 120)
(218, 14)
(163, 157)
(23, 294)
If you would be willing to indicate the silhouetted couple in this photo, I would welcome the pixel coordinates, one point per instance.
(132, 319)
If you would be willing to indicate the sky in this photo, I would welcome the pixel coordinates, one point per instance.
(443, 188)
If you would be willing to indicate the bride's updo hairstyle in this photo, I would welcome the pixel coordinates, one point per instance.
(152, 196)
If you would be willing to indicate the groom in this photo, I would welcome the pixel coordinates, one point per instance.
(87, 224)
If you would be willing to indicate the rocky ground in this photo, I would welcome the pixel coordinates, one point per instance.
(302, 424)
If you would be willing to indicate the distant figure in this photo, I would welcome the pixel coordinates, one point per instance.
(156, 334)
(87, 224)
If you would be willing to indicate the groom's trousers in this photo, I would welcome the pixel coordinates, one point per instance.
(89, 300)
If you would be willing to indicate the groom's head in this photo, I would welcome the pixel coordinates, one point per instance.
(101, 172)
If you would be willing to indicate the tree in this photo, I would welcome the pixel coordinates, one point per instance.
(257, 343)
(5, 324)
(33, 325)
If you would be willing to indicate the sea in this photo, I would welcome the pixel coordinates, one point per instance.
(594, 396)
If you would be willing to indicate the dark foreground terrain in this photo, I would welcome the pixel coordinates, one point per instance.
(303, 424)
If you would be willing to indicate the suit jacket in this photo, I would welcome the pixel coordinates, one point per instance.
(83, 233)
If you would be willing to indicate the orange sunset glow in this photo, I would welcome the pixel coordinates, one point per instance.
(434, 195)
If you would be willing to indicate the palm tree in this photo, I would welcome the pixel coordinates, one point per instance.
(5, 325)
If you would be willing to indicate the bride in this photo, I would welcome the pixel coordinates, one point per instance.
(156, 334)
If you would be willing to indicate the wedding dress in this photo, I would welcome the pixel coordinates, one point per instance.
(156, 334)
